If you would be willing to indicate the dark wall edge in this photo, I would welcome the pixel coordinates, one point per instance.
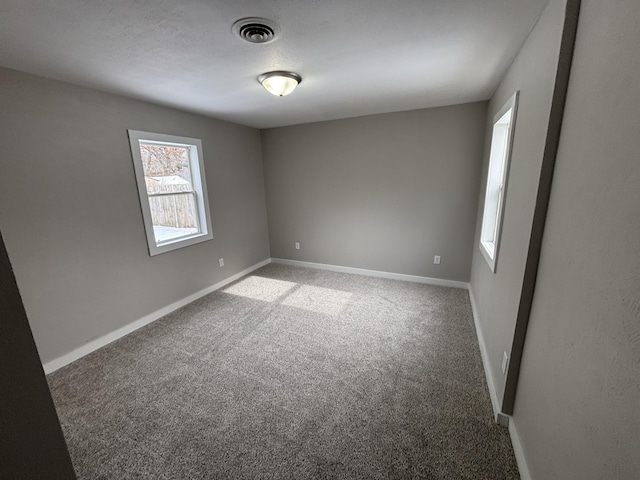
(32, 444)
(563, 72)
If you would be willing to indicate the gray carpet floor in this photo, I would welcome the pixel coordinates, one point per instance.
(290, 373)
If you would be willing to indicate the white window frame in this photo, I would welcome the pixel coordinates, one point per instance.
(497, 177)
(196, 164)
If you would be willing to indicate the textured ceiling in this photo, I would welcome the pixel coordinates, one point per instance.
(356, 57)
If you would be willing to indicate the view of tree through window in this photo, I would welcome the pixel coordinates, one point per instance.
(167, 175)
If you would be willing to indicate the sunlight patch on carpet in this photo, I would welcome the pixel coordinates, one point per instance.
(261, 288)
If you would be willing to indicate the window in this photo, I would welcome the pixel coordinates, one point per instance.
(501, 143)
(172, 188)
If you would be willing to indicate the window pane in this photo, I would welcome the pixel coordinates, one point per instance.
(173, 216)
(167, 175)
(166, 168)
(499, 156)
(497, 165)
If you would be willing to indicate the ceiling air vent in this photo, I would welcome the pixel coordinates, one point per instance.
(256, 30)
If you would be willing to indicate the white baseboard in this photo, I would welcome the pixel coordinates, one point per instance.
(501, 419)
(100, 342)
(518, 451)
(374, 273)
(485, 362)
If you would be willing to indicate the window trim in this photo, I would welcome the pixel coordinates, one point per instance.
(196, 159)
(491, 248)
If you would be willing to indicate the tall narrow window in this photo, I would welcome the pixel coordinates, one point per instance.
(172, 188)
(501, 143)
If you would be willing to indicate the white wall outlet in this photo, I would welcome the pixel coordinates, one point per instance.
(505, 362)
(436, 259)
(297, 245)
(221, 262)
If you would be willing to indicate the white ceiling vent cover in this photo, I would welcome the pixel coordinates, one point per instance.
(256, 30)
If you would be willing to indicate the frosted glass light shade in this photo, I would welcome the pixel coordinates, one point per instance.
(280, 83)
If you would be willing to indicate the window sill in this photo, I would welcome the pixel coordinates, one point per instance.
(488, 250)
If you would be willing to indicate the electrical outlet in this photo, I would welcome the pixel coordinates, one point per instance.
(297, 245)
(221, 261)
(436, 259)
(505, 362)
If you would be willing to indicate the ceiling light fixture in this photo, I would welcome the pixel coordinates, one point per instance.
(280, 83)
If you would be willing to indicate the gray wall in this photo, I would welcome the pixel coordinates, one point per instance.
(70, 213)
(497, 295)
(577, 408)
(381, 192)
(31, 441)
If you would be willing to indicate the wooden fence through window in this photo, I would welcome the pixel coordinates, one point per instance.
(173, 205)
